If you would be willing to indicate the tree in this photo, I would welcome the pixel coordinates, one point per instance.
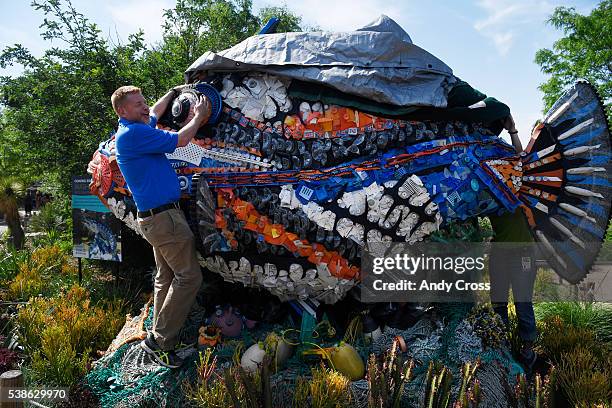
(196, 26)
(57, 112)
(59, 107)
(9, 189)
(584, 52)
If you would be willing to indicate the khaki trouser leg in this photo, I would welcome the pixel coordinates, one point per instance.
(172, 239)
(163, 279)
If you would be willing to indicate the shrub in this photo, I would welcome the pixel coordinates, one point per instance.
(586, 315)
(584, 377)
(488, 325)
(583, 364)
(53, 217)
(8, 359)
(57, 361)
(557, 338)
(61, 332)
(42, 273)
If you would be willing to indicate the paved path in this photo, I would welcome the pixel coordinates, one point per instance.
(3, 226)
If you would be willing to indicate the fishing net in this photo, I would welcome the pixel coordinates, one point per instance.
(450, 333)
(449, 337)
(127, 376)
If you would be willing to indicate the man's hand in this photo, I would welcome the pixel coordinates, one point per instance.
(161, 105)
(202, 110)
(177, 89)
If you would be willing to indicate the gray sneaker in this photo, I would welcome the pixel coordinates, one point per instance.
(165, 358)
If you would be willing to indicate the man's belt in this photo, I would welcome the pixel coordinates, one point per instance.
(157, 210)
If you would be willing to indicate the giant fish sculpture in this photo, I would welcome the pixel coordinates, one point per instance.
(317, 147)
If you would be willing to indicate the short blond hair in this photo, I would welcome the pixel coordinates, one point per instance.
(121, 93)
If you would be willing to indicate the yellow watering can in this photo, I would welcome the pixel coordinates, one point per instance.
(343, 358)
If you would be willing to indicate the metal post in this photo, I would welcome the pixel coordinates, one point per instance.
(80, 271)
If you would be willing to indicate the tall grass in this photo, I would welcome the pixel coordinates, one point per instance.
(586, 315)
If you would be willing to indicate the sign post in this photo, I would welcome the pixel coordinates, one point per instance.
(96, 232)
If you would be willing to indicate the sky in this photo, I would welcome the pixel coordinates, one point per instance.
(489, 43)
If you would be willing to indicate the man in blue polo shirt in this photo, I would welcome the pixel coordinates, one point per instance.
(141, 150)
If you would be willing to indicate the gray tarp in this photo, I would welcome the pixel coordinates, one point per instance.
(378, 61)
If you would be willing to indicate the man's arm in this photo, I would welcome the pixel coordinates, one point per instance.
(202, 111)
(160, 106)
(511, 128)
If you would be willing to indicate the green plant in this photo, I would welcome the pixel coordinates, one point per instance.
(326, 389)
(439, 381)
(42, 273)
(546, 286)
(209, 391)
(584, 376)
(438, 386)
(61, 332)
(52, 218)
(582, 52)
(583, 365)
(10, 259)
(488, 325)
(57, 361)
(513, 332)
(235, 387)
(537, 394)
(469, 392)
(585, 315)
(556, 337)
(386, 378)
(10, 192)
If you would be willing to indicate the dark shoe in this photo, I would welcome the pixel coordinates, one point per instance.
(165, 358)
(527, 358)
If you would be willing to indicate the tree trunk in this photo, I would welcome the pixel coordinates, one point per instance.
(16, 232)
(11, 379)
(13, 221)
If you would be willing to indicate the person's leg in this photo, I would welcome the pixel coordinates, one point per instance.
(522, 290)
(499, 277)
(180, 255)
(526, 321)
(163, 279)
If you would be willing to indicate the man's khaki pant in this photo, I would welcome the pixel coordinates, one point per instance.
(178, 276)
